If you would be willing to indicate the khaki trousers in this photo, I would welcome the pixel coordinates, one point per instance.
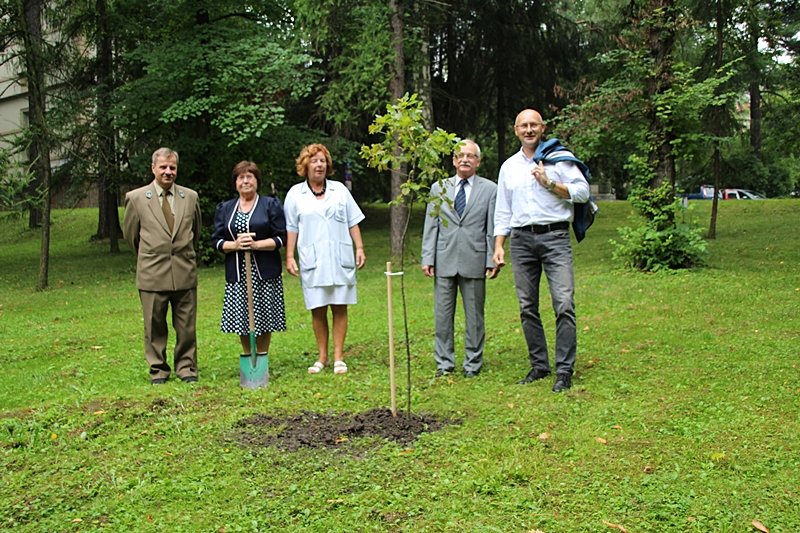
(184, 318)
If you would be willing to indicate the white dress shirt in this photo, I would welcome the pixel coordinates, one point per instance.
(522, 201)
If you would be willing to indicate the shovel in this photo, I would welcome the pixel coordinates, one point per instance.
(253, 368)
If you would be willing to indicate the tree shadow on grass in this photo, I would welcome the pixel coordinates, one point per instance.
(317, 430)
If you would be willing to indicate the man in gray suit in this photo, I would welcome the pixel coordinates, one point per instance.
(162, 225)
(457, 246)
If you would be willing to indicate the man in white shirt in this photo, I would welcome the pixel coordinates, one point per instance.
(535, 207)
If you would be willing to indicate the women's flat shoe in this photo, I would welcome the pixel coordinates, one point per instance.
(316, 368)
(339, 367)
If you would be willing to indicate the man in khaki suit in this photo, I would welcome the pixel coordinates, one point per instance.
(162, 224)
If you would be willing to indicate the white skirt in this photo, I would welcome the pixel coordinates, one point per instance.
(330, 295)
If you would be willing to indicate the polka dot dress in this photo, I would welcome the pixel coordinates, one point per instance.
(268, 307)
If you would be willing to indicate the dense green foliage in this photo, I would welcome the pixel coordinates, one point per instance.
(408, 144)
(683, 414)
(704, 91)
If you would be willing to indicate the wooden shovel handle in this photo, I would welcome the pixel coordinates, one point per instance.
(248, 276)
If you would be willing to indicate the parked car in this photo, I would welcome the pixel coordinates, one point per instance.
(706, 192)
(740, 194)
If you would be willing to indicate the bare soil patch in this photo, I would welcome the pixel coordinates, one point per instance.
(317, 430)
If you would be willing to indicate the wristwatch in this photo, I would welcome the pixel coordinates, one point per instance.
(550, 185)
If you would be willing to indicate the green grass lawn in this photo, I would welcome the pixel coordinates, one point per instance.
(683, 414)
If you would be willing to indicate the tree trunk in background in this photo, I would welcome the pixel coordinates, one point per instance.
(31, 18)
(398, 214)
(501, 73)
(422, 74)
(108, 217)
(718, 113)
(661, 39)
(754, 88)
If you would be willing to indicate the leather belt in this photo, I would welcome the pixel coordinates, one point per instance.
(544, 228)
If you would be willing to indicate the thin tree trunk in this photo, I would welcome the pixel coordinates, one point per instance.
(755, 119)
(422, 75)
(398, 213)
(34, 63)
(500, 73)
(109, 214)
(717, 113)
(755, 82)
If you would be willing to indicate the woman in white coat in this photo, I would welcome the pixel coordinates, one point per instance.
(322, 225)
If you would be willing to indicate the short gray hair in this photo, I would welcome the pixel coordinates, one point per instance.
(166, 153)
(464, 141)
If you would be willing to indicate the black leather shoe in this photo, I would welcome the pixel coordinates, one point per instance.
(471, 374)
(189, 379)
(563, 382)
(158, 381)
(534, 375)
(442, 372)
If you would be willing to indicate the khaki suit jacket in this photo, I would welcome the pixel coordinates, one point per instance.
(164, 261)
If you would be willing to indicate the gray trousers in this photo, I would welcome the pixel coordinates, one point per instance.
(473, 297)
(552, 253)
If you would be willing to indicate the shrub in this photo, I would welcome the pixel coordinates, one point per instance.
(659, 242)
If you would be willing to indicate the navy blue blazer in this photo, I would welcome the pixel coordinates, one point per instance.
(266, 221)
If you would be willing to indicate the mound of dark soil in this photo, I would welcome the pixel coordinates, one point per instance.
(316, 430)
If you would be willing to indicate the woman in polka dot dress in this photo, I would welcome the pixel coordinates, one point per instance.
(234, 223)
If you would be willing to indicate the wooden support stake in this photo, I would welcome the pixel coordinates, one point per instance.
(392, 385)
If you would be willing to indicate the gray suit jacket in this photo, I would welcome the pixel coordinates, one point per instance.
(164, 261)
(465, 245)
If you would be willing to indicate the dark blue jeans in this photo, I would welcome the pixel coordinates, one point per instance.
(552, 253)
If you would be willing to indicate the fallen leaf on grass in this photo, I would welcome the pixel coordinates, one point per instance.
(543, 436)
(616, 426)
(615, 526)
(759, 526)
(100, 412)
(718, 457)
(601, 440)
(649, 469)
(341, 439)
(510, 405)
(535, 531)
(76, 520)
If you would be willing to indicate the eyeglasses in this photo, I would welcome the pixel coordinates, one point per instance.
(468, 156)
(529, 125)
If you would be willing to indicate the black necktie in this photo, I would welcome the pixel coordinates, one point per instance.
(167, 210)
(461, 198)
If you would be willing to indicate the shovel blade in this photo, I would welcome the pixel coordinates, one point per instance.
(253, 371)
